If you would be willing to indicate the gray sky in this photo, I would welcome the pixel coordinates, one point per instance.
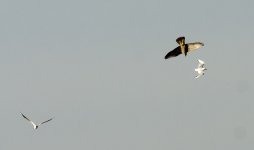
(98, 67)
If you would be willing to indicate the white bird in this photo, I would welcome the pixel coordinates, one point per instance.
(34, 125)
(201, 69)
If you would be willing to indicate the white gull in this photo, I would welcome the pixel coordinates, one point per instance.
(34, 125)
(200, 69)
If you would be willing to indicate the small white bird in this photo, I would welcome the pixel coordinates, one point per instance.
(201, 69)
(34, 125)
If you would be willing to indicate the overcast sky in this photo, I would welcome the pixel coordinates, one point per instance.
(98, 67)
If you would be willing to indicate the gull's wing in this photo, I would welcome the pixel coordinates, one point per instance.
(174, 53)
(25, 117)
(34, 125)
(199, 75)
(181, 40)
(194, 46)
(46, 121)
(201, 63)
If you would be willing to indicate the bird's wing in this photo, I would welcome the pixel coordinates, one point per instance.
(174, 53)
(46, 121)
(181, 40)
(25, 117)
(201, 63)
(34, 125)
(194, 46)
(199, 75)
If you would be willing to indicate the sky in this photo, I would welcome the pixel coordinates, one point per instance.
(98, 68)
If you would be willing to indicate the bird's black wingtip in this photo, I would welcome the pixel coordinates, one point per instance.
(166, 57)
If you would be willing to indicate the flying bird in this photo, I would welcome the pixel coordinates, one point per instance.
(200, 69)
(34, 125)
(183, 48)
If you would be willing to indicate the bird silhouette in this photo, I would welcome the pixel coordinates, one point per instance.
(183, 48)
(34, 125)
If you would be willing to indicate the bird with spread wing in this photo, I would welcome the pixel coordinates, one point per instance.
(34, 125)
(200, 69)
(183, 48)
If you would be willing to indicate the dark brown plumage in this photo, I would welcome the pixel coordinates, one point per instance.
(183, 48)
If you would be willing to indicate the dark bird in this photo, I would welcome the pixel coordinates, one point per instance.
(34, 125)
(183, 48)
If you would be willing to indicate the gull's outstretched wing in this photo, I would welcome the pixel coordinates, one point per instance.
(46, 121)
(174, 53)
(201, 63)
(34, 125)
(199, 75)
(25, 117)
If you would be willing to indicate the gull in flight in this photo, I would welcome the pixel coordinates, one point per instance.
(201, 69)
(183, 48)
(34, 125)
